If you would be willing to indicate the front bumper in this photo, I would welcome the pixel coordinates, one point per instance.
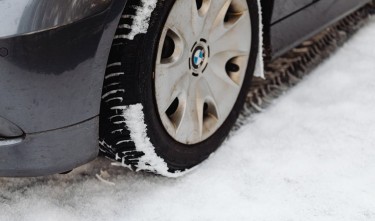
(51, 152)
(51, 78)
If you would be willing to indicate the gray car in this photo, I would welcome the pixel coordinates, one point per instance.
(158, 83)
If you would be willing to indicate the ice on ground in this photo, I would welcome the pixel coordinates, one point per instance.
(310, 156)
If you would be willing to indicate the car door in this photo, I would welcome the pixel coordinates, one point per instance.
(284, 8)
(293, 21)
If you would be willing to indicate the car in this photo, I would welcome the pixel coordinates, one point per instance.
(158, 83)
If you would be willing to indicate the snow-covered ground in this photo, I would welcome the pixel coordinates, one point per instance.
(310, 156)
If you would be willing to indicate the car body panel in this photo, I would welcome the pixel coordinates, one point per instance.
(8, 129)
(284, 8)
(303, 24)
(68, 89)
(51, 152)
(26, 16)
(51, 85)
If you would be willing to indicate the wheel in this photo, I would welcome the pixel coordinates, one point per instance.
(171, 95)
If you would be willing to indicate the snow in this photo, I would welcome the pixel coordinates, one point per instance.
(259, 66)
(141, 19)
(134, 120)
(310, 156)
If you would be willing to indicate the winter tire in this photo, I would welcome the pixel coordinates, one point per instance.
(172, 94)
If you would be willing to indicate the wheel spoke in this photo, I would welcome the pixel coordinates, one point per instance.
(216, 14)
(226, 20)
(199, 15)
(187, 10)
(223, 90)
(170, 83)
(229, 39)
(190, 127)
(208, 109)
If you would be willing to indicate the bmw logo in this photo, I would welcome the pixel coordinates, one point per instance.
(199, 56)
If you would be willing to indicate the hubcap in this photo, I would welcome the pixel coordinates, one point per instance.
(201, 65)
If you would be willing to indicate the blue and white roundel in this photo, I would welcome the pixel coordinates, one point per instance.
(198, 58)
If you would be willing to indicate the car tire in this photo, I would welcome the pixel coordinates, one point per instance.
(133, 128)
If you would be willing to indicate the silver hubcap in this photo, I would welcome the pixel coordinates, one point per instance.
(201, 64)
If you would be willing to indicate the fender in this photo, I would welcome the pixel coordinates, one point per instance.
(26, 16)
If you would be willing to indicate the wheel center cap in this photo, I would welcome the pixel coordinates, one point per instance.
(199, 58)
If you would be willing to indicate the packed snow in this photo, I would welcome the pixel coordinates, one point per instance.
(259, 67)
(309, 156)
(140, 20)
(150, 161)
